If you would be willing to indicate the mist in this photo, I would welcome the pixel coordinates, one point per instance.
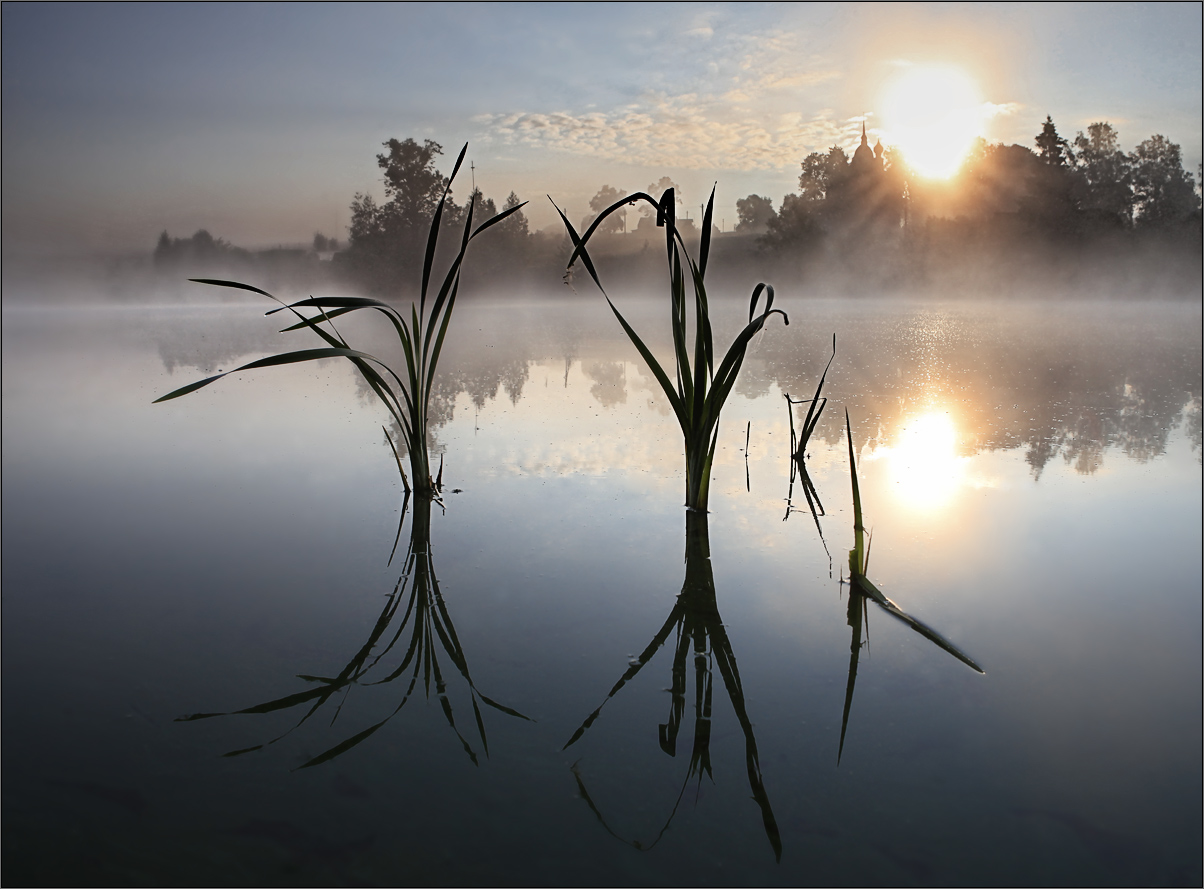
(1070, 219)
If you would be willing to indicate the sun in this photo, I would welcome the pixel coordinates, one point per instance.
(933, 114)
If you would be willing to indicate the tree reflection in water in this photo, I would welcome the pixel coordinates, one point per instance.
(429, 626)
(695, 620)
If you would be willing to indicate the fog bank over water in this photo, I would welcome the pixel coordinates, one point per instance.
(1140, 269)
(1080, 383)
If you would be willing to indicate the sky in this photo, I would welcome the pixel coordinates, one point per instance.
(260, 122)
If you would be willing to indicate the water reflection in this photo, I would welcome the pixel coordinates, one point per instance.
(428, 623)
(798, 469)
(1107, 378)
(1070, 382)
(696, 624)
(925, 464)
(862, 588)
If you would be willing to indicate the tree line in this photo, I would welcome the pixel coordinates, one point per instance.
(866, 214)
(1089, 182)
(1008, 205)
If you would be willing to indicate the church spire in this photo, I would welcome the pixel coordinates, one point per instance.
(864, 140)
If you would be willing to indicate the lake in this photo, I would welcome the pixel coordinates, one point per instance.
(1030, 473)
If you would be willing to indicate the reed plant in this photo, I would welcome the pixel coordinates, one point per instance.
(698, 389)
(421, 334)
(859, 561)
(862, 588)
(816, 405)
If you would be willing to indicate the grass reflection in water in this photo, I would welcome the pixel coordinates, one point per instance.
(862, 588)
(696, 622)
(798, 452)
(428, 623)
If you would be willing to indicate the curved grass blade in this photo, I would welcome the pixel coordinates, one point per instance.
(217, 282)
(272, 361)
(625, 201)
(336, 302)
(301, 325)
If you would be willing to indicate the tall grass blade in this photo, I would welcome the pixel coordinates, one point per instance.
(704, 249)
(816, 408)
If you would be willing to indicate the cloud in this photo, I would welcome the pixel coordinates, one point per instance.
(738, 112)
(702, 26)
(682, 131)
(990, 109)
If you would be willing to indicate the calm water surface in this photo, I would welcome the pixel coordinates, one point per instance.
(1032, 479)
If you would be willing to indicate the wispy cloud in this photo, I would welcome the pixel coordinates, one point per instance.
(1006, 109)
(682, 131)
(738, 113)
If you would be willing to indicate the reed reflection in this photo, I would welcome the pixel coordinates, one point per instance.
(862, 588)
(423, 629)
(697, 628)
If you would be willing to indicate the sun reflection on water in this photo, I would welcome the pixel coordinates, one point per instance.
(924, 463)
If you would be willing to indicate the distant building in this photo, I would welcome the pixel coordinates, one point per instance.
(869, 199)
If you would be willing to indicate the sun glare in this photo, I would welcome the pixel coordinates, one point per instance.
(933, 113)
(925, 464)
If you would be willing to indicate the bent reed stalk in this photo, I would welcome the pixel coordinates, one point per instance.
(859, 566)
(421, 336)
(699, 391)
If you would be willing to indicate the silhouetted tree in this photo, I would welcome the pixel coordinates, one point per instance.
(1106, 175)
(200, 250)
(1051, 204)
(386, 240)
(1163, 192)
(656, 189)
(754, 213)
(821, 172)
(483, 207)
(412, 184)
(513, 227)
(1053, 149)
(604, 198)
(795, 229)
